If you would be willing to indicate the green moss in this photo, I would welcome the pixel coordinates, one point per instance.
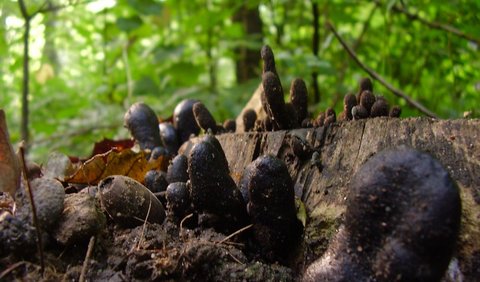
(323, 224)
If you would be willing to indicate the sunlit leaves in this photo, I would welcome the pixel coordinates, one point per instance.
(169, 48)
(146, 7)
(129, 24)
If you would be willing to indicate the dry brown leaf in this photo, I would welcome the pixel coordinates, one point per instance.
(113, 162)
(9, 164)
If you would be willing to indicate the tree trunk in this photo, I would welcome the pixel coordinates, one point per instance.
(25, 83)
(344, 147)
(247, 63)
(315, 48)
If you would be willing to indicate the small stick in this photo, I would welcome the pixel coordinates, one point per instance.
(91, 244)
(234, 258)
(144, 224)
(183, 220)
(32, 205)
(11, 268)
(235, 233)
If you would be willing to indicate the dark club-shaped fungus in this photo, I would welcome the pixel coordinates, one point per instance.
(401, 223)
(367, 99)
(268, 59)
(156, 181)
(169, 137)
(364, 84)
(249, 118)
(273, 102)
(359, 112)
(330, 117)
(204, 118)
(395, 111)
(213, 191)
(379, 108)
(349, 101)
(177, 170)
(178, 200)
(230, 125)
(299, 99)
(271, 206)
(142, 122)
(184, 121)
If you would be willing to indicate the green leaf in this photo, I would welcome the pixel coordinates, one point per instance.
(145, 86)
(146, 7)
(129, 24)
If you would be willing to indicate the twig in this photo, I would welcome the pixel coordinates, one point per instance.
(91, 244)
(183, 220)
(235, 233)
(380, 79)
(436, 25)
(142, 236)
(355, 45)
(32, 205)
(234, 258)
(11, 268)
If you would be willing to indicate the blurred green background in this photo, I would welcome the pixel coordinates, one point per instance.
(89, 60)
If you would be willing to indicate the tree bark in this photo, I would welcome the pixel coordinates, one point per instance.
(315, 48)
(344, 147)
(247, 64)
(49, 49)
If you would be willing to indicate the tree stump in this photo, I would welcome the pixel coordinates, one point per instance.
(322, 181)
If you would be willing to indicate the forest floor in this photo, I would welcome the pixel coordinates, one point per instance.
(153, 252)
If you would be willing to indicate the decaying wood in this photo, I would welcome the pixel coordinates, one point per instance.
(255, 104)
(344, 147)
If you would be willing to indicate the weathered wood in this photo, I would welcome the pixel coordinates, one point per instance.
(345, 146)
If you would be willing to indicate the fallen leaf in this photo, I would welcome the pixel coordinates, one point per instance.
(114, 162)
(108, 144)
(104, 146)
(9, 164)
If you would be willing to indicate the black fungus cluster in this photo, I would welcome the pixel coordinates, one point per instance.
(201, 185)
(280, 115)
(401, 223)
(365, 104)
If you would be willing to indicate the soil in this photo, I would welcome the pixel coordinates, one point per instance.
(149, 253)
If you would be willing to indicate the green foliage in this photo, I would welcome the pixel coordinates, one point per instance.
(90, 61)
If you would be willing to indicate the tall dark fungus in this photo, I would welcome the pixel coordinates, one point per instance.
(177, 170)
(273, 102)
(401, 223)
(271, 206)
(142, 122)
(213, 192)
(184, 120)
(204, 118)
(169, 137)
(299, 99)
